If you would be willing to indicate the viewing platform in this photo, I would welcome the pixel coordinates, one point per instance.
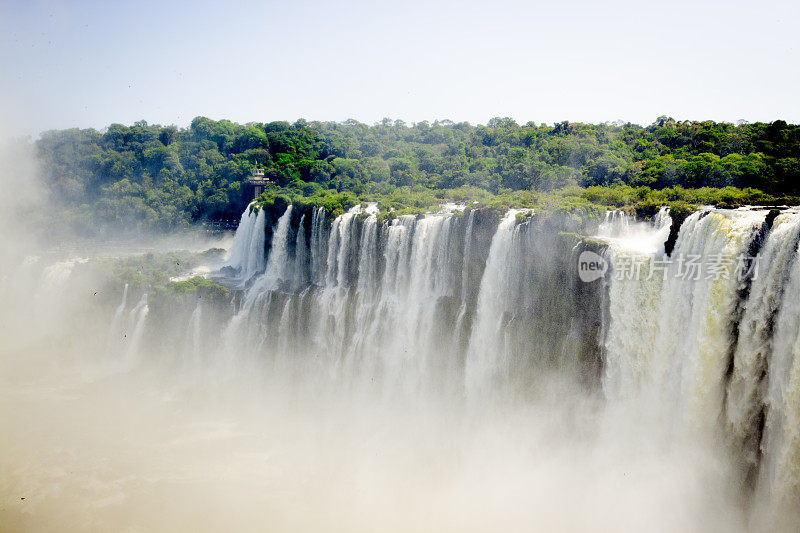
(258, 180)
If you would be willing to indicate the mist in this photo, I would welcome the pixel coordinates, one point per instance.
(399, 267)
(124, 412)
(94, 441)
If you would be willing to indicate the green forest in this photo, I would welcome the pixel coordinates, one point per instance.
(163, 177)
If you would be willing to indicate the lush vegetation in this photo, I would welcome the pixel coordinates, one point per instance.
(198, 287)
(162, 177)
(146, 270)
(594, 199)
(164, 275)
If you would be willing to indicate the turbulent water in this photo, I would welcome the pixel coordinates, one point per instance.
(246, 257)
(450, 371)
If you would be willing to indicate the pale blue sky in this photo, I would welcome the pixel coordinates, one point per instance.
(82, 63)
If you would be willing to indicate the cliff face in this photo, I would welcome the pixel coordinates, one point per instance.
(432, 284)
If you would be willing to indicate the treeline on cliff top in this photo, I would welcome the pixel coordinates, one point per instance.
(162, 177)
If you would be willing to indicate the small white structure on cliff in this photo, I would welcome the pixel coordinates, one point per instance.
(258, 180)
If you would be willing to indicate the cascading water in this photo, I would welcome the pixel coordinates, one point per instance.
(258, 296)
(370, 299)
(465, 288)
(744, 406)
(192, 341)
(696, 345)
(694, 341)
(779, 477)
(317, 246)
(408, 305)
(671, 325)
(116, 323)
(278, 267)
(634, 302)
(136, 323)
(465, 348)
(487, 357)
(246, 258)
(710, 354)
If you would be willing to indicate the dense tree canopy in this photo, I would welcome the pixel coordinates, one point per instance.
(163, 176)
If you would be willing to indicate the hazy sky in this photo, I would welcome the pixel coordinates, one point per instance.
(66, 64)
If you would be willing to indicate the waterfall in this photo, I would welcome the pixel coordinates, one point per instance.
(744, 405)
(318, 246)
(116, 321)
(487, 358)
(136, 322)
(246, 258)
(192, 340)
(121, 306)
(277, 267)
(394, 315)
(339, 248)
(414, 304)
(715, 356)
(301, 275)
(694, 341)
(258, 296)
(458, 331)
(54, 277)
(374, 304)
(696, 346)
(469, 351)
(616, 224)
(779, 479)
(466, 256)
(672, 325)
(634, 302)
(533, 317)
(58, 273)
